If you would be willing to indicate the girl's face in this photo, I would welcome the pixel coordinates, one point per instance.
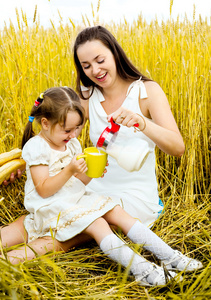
(98, 63)
(58, 136)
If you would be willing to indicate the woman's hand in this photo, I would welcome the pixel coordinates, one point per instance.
(157, 123)
(128, 118)
(13, 177)
(105, 171)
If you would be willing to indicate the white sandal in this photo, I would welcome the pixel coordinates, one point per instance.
(161, 278)
(184, 263)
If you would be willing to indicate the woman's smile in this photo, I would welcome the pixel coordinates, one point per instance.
(102, 77)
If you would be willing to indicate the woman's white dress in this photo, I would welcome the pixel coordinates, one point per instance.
(69, 211)
(138, 190)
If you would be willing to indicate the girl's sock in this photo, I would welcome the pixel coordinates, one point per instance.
(118, 251)
(140, 234)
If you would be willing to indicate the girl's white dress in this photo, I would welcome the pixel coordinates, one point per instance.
(69, 211)
(138, 190)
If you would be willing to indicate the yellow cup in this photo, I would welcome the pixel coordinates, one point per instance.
(96, 161)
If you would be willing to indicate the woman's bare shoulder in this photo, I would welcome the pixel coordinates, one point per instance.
(155, 93)
(152, 88)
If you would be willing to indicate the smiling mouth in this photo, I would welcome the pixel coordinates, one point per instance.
(102, 76)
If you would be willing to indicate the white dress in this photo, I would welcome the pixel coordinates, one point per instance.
(69, 211)
(138, 190)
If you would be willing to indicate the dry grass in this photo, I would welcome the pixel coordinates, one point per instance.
(177, 55)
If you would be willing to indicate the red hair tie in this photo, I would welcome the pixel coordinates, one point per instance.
(36, 103)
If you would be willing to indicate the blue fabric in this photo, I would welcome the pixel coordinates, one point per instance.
(162, 210)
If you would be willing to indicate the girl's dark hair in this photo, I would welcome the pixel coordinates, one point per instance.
(125, 69)
(54, 106)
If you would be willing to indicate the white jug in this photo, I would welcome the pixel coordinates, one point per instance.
(130, 155)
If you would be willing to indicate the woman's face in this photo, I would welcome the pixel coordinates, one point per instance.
(98, 63)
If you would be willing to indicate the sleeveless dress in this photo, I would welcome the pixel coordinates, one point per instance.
(69, 211)
(138, 190)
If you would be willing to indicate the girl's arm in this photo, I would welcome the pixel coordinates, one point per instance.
(46, 185)
(162, 128)
(84, 178)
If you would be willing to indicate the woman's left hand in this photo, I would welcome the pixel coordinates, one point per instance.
(105, 171)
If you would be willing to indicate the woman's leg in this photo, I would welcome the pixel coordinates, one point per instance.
(140, 234)
(31, 250)
(42, 246)
(14, 233)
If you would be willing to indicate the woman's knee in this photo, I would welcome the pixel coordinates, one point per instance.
(14, 233)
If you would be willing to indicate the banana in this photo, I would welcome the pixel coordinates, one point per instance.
(7, 156)
(11, 167)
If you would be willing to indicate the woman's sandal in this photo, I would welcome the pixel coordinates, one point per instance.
(180, 262)
(160, 279)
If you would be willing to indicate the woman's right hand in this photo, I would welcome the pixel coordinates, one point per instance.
(13, 177)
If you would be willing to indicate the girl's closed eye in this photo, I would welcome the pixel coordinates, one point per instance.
(70, 130)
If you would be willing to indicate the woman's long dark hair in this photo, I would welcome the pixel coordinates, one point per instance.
(125, 69)
(54, 104)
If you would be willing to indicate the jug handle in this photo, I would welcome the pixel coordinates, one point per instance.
(114, 126)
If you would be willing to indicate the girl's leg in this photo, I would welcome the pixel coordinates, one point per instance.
(145, 272)
(139, 233)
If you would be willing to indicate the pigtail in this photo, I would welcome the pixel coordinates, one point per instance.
(28, 131)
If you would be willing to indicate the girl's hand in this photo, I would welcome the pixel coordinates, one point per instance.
(127, 118)
(47, 185)
(78, 166)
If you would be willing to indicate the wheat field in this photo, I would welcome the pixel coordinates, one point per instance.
(176, 54)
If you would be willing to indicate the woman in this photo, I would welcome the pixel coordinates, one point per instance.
(113, 86)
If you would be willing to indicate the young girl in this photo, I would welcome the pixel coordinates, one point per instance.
(59, 206)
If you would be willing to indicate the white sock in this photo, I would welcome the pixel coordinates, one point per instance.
(118, 251)
(140, 234)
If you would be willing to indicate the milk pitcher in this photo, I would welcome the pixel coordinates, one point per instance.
(130, 154)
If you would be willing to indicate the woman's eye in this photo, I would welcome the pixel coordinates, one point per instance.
(86, 67)
(100, 62)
